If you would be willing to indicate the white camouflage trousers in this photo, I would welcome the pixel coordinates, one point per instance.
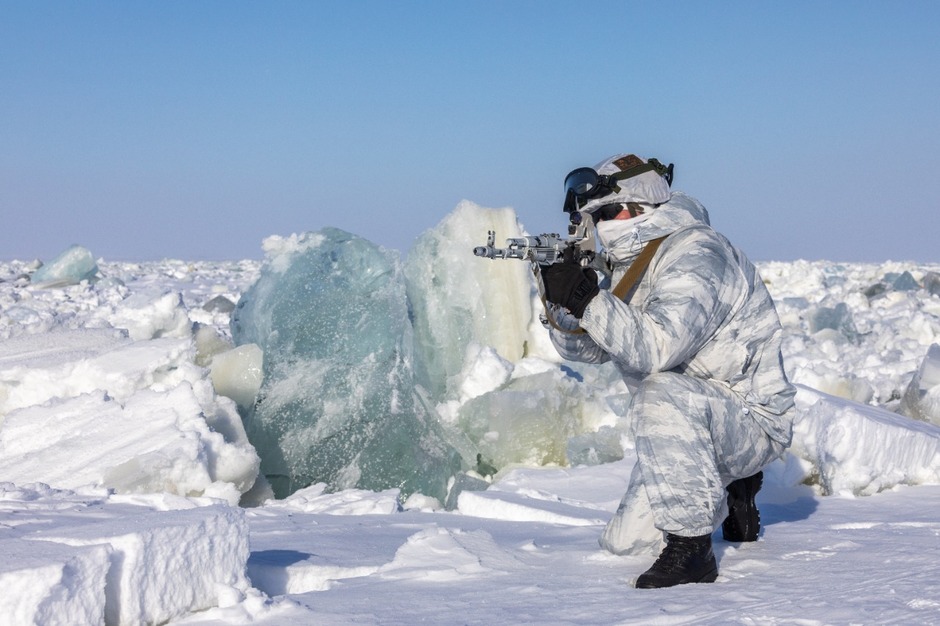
(693, 437)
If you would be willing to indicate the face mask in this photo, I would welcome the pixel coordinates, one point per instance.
(621, 238)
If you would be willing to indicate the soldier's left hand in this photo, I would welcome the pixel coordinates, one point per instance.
(570, 285)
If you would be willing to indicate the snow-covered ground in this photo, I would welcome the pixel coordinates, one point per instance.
(121, 467)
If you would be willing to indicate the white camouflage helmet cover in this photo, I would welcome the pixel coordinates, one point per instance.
(649, 188)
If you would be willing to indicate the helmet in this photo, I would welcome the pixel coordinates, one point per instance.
(619, 179)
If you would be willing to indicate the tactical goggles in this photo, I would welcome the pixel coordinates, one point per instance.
(584, 184)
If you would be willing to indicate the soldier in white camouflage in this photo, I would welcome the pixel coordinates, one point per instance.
(697, 339)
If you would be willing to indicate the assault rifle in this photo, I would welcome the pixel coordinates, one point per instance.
(543, 250)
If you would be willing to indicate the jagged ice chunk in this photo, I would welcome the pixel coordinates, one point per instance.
(338, 403)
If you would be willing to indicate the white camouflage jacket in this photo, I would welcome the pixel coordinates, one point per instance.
(700, 309)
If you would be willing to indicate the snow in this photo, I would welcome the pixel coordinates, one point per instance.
(122, 466)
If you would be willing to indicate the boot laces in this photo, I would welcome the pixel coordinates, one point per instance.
(675, 555)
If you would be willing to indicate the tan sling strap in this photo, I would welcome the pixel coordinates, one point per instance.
(636, 269)
(629, 280)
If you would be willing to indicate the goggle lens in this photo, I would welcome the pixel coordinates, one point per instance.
(582, 181)
(583, 184)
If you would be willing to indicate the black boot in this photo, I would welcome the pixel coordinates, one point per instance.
(743, 521)
(683, 560)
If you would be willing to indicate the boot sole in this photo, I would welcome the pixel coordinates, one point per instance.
(708, 577)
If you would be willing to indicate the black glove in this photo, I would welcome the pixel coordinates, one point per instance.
(570, 285)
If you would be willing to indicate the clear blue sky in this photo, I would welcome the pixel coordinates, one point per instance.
(193, 130)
